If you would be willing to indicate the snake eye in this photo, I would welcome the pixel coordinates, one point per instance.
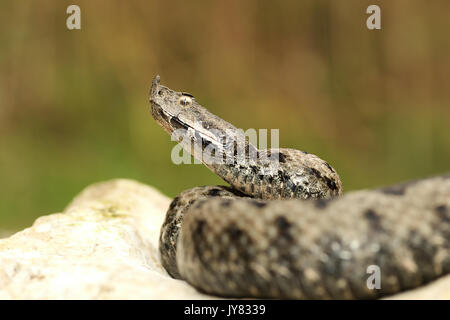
(186, 101)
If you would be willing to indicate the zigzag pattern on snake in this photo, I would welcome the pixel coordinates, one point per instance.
(284, 228)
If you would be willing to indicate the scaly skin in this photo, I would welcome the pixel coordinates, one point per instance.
(242, 241)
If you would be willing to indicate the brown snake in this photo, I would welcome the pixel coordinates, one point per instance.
(283, 229)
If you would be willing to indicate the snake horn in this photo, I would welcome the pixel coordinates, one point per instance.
(155, 85)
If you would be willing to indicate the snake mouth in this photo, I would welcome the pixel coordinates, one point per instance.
(162, 117)
(182, 131)
(166, 120)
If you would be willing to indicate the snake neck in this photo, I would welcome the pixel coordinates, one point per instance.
(224, 149)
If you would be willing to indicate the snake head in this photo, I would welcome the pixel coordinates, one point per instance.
(169, 107)
(186, 121)
(179, 110)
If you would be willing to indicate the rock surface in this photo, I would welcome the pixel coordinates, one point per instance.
(105, 246)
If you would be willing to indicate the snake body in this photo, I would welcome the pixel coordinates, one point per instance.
(284, 228)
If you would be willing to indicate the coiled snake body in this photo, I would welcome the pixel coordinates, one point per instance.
(283, 229)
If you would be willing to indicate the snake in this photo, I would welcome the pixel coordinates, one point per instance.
(282, 228)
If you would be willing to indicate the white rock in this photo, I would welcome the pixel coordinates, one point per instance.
(103, 246)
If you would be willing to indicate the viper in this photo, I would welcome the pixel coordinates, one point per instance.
(283, 228)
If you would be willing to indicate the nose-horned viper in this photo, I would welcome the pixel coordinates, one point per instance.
(283, 229)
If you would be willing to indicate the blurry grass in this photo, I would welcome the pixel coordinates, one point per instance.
(74, 109)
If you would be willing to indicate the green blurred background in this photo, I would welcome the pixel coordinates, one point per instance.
(74, 104)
